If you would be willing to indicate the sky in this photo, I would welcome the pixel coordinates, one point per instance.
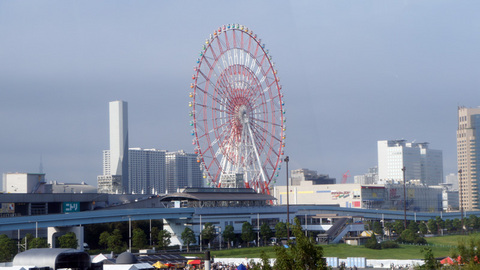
(353, 72)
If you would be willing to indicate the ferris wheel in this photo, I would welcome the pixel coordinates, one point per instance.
(237, 111)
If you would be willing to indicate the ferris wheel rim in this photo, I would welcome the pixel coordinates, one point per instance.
(267, 116)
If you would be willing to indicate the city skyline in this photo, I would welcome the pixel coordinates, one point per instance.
(352, 73)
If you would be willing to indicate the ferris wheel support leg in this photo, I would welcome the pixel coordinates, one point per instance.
(256, 154)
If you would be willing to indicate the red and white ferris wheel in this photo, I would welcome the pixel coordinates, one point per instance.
(237, 111)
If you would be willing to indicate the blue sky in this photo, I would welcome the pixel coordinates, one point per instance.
(353, 72)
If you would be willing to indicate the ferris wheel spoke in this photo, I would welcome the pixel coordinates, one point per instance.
(273, 136)
(256, 153)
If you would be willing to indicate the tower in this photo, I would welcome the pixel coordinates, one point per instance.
(468, 156)
(119, 141)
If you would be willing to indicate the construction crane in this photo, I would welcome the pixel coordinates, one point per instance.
(345, 177)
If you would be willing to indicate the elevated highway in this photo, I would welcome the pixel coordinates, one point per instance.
(220, 213)
(91, 217)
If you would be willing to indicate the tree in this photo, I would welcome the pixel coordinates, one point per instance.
(26, 242)
(457, 224)
(377, 227)
(432, 226)
(103, 239)
(280, 230)
(265, 232)
(449, 225)
(38, 243)
(68, 240)
(412, 225)
(430, 261)
(8, 249)
(409, 236)
(115, 241)
(154, 233)
(468, 251)
(472, 222)
(388, 227)
(306, 253)
(188, 237)
(229, 234)
(422, 227)
(247, 233)
(265, 261)
(208, 232)
(164, 239)
(139, 238)
(399, 226)
(372, 243)
(302, 254)
(440, 224)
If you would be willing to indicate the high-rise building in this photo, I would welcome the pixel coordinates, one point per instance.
(369, 178)
(147, 170)
(119, 140)
(115, 172)
(468, 157)
(183, 170)
(452, 181)
(420, 162)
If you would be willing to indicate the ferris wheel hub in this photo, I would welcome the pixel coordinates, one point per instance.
(243, 114)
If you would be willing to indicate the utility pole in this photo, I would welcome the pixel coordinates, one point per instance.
(287, 159)
(404, 199)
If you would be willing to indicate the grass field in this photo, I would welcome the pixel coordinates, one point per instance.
(441, 247)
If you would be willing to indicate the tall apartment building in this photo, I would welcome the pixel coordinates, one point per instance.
(468, 157)
(153, 171)
(183, 170)
(147, 169)
(420, 162)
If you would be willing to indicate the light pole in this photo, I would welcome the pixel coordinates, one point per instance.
(404, 199)
(287, 159)
(200, 233)
(129, 234)
(461, 198)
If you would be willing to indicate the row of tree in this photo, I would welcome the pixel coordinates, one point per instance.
(115, 235)
(10, 247)
(433, 226)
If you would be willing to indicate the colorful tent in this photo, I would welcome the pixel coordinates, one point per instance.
(194, 262)
(447, 260)
(241, 267)
(159, 264)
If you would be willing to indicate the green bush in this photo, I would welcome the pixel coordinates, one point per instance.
(389, 244)
(372, 243)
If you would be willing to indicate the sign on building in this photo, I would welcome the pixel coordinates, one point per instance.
(69, 207)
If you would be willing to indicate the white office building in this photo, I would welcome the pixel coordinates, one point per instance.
(452, 180)
(420, 162)
(22, 182)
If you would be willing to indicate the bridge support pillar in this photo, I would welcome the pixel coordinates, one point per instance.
(54, 232)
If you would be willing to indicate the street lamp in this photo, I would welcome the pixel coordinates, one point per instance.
(404, 199)
(287, 159)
